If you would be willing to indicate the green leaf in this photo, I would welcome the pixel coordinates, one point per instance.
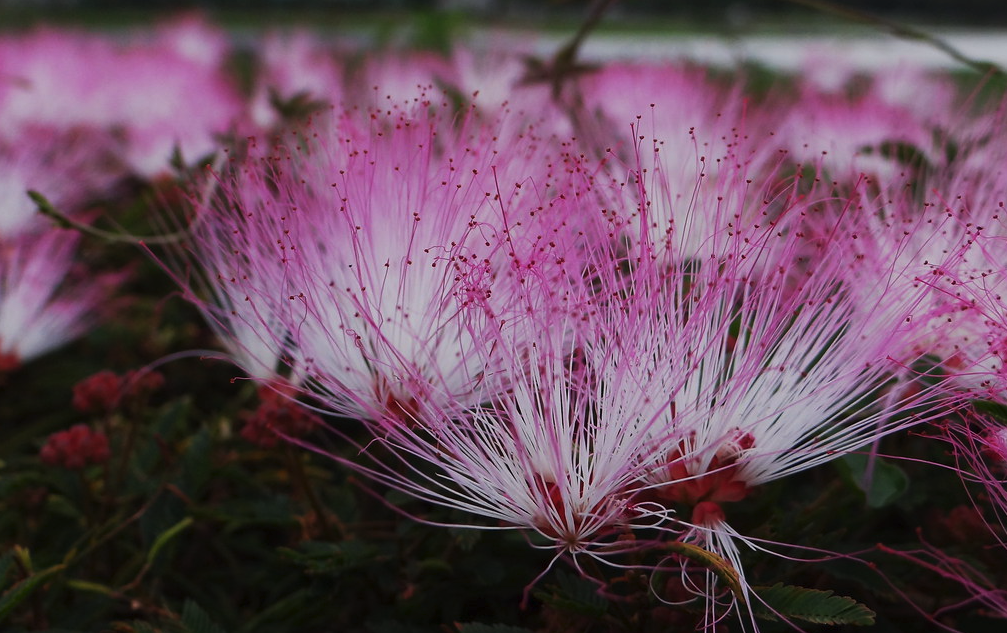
(286, 608)
(391, 626)
(475, 627)
(888, 481)
(903, 153)
(576, 594)
(320, 557)
(23, 589)
(195, 620)
(995, 409)
(196, 464)
(91, 587)
(809, 605)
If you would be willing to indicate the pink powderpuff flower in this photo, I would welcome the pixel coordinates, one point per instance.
(295, 67)
(641, 387)
(979, 444)
(69, 167)
(561, 452)
(157, 97)
(44, 302)
(770, 368)
(693, 116)
(825, 75)
(902, 85)
(949, 241)
(681, 151)
(862, 134)
(434, 281)
(494, 74)
(192, 37)
(980, 285)
(392, 78)
(904, 244)
(340, 252)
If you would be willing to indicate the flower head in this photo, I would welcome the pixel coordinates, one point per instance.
(765, 358)
(44, 302)
(156, 94)
(296, 70)
(68, 167)
(349, 252)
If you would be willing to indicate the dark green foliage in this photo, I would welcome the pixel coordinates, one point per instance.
(495, 628)
(887, 482)
(810, 605)
(196, 620)
(575, 594)
(995, 409)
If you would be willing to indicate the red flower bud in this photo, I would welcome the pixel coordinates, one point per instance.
(98, 393)
(277, 416)
(75, 448)
(105, 391)
(139, 384)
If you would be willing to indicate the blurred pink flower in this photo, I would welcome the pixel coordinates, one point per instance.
(153, 93)
(68, 167)
(682, 149)
(867, 133)
(44, 303)
(294, 66)
(393, 79)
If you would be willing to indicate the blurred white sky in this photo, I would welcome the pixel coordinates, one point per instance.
(861, 52)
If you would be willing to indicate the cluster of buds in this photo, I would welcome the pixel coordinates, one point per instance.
(105, 391)
(277, 416)
(75, 448)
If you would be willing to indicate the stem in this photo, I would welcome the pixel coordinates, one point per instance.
(38, 619)
(87, 506)
(63, 220)
(899, 30)
(714, 562)
(120, 471)
(117, 526)
(563, 63)
(304, 485)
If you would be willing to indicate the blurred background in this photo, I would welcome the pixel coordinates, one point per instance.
(734, 13)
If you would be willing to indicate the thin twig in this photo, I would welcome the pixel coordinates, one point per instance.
(900, 30)
(564, 62)
(61, 219)
(301, 481)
